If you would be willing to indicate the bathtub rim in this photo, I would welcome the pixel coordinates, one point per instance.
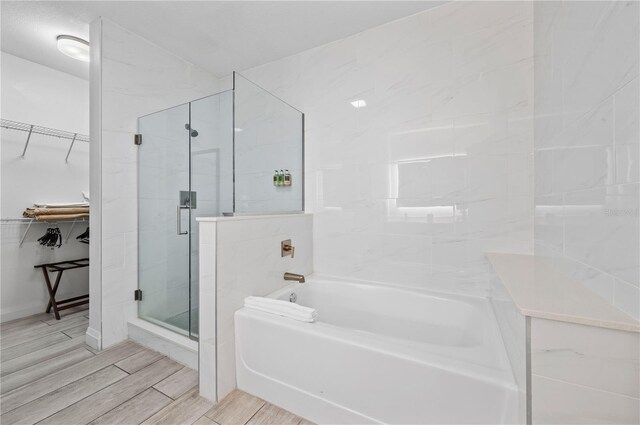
(410, 351)
(435, 293)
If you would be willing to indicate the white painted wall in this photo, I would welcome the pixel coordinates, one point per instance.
(130, 77)
(35, 94)
(437, 168)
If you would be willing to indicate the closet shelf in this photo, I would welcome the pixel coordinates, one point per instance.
(30, 221)
(31, 129)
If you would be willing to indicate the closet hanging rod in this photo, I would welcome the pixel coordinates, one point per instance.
(31, 129)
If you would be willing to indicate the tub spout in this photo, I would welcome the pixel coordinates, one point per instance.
(294, 276)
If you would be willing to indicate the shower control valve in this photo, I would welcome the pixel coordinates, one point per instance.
(286, 249)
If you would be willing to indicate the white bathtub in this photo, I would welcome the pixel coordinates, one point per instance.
(378, 354)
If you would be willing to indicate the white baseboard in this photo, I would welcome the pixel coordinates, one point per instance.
(9, 314)
(93, 338)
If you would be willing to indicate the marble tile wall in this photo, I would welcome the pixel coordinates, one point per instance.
(587, 160)
(584, 374)
(513, 328)
(131, 77)
(437, 168)
(268, 137)
(240, 256)
(211, 170)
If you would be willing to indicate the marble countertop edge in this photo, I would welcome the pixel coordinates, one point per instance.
(540, 290)
(622, 326)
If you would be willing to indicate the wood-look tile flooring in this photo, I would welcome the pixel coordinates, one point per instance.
(48, 375)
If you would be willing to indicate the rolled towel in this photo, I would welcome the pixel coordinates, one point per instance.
(62, 205)
(282, 308)
(33, 212)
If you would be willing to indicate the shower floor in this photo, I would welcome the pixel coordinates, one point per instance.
(182, 321)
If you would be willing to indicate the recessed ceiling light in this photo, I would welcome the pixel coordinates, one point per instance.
(359, 103)
(74, 47)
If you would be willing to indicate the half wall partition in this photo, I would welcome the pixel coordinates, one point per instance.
(240, 151)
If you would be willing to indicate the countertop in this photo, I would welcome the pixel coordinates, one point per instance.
(538, 289)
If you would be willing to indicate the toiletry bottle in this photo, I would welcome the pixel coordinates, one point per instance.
(281, 178)
(287, 178)
(275, 178)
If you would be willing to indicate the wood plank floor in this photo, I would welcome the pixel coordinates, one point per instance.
(49, 376)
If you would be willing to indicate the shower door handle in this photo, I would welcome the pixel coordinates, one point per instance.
(179, 219)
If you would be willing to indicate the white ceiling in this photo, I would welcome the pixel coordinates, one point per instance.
(219, 36)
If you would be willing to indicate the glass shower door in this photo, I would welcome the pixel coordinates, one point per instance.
(206, 158)
(164, 219)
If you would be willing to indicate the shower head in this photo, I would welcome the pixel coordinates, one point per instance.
(192, 132)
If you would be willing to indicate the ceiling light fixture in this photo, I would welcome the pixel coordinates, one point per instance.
(74, 47)
(359, 103)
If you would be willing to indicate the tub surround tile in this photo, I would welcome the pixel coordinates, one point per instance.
(225, 371)
(597, 50)
(602, 230)
(627, 124)
(539, 290)
(239, 257)
(627, 297)
(582, 373)
(558, 402)
(447, 90)
(207, 313)
(588, 356)
(586, 134)
(513, 329)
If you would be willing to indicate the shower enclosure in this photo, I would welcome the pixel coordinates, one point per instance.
(219, 155)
